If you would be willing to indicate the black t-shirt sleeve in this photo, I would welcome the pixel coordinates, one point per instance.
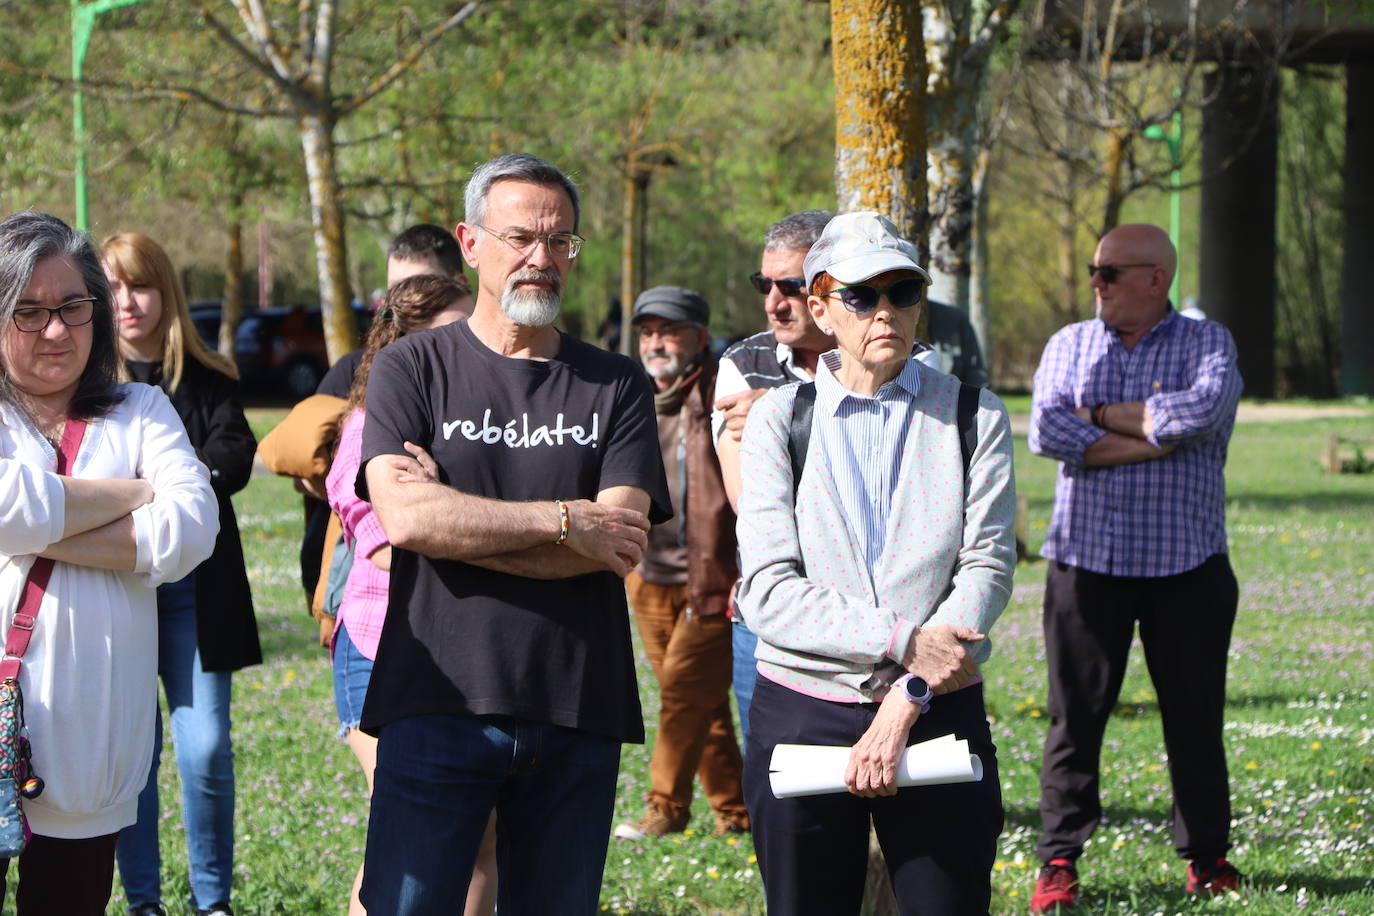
(338, 381)
(632, 455)
(397, 409)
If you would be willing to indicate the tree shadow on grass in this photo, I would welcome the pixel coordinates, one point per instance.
(1320, 501)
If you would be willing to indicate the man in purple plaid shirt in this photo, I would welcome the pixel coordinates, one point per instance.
(1137, 405)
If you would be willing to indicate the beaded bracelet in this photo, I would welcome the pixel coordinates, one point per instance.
(564, 522)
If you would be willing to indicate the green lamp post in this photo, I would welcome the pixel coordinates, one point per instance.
(1173, 137)
(83, 24)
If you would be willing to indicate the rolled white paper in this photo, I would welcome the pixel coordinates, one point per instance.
(810, 769)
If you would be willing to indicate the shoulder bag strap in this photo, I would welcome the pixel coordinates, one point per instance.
(21, 629)
(799, 432)
(966, 416)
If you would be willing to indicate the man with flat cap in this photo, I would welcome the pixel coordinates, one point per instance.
(681, 587)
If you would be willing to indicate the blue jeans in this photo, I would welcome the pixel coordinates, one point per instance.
(352, 674)
(199, 702)
(746, 670)
(438, 778)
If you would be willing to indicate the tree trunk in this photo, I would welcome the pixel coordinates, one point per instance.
(327, 222)
(629, 283)
(1117, 143)
(952, 91)
(232, 307)
(880, 112)
(978, 259)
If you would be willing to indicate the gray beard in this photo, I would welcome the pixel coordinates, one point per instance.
(670, 371)
(531, 308)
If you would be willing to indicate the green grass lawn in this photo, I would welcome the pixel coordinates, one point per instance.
(1299, 727)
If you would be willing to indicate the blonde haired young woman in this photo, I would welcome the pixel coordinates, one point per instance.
(206, 626)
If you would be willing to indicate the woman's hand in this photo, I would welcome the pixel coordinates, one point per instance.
(872, 768)
(938, 656)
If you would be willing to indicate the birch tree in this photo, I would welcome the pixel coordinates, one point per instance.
(263, 60)
(960, 36)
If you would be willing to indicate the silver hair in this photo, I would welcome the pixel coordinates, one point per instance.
(514, 167)
(29, 237)
(797, 232)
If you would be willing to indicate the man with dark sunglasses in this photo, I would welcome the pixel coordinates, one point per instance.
(787, 352)
(1137, 405)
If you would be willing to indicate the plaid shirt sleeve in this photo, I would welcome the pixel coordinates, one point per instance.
(1210, 401)
(1054, 430)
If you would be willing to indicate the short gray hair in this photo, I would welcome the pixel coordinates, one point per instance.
(29, 237)
(797, 232)
(514, 167)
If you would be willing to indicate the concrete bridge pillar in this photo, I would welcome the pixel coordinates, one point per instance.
(1240, 129)
(1357, 272)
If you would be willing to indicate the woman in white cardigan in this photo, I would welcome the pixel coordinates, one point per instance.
(871, 583)
(102, 496)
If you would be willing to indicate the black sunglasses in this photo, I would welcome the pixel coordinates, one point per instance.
(787, 287)
(862, 298)
(1110, 272)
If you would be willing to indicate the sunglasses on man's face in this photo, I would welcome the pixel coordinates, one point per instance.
(1110, 272)
(786, 287)
(862, 298)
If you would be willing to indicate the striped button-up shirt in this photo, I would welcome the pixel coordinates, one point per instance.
(864, 446)
(1152, 518)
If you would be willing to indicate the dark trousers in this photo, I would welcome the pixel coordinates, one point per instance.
(939, 841)
(71, 877)
(438, 778)
(1185, 629)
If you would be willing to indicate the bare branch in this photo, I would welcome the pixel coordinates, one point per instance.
(322, 60)
(284, 85)
(155, 137)
(993, 31)
(260, 30)
(131, 91)
(409, 59)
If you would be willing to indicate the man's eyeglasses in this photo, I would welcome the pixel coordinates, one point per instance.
(647, 332)
(862, 298)
(787, 288)
(560, 244)
(1110, 272)
(32, 319)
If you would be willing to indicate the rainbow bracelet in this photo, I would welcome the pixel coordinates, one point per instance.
(564, 522)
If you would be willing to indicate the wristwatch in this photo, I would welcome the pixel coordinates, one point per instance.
(917, 691)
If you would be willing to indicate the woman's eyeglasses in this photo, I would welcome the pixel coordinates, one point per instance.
(32, 319)
(861, 298)
(787, 288)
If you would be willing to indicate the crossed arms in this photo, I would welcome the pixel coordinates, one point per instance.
(437, 521)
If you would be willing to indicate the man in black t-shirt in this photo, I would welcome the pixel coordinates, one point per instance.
(504, 678)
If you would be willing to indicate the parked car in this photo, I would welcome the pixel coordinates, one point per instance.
(278, 350)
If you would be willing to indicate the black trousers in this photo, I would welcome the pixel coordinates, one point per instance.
(939, 841)
(71, 877)
(1185, 629)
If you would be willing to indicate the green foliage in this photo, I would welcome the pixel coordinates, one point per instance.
(1310, 232)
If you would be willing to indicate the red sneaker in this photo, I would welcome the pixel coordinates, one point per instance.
(1057, 887)
(1218, 878)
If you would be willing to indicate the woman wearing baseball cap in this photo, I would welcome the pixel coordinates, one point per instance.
(872, 576)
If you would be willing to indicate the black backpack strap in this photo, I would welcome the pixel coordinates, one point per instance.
(966, 416)
(799, 432)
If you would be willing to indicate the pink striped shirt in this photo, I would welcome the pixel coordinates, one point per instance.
(365, 594)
